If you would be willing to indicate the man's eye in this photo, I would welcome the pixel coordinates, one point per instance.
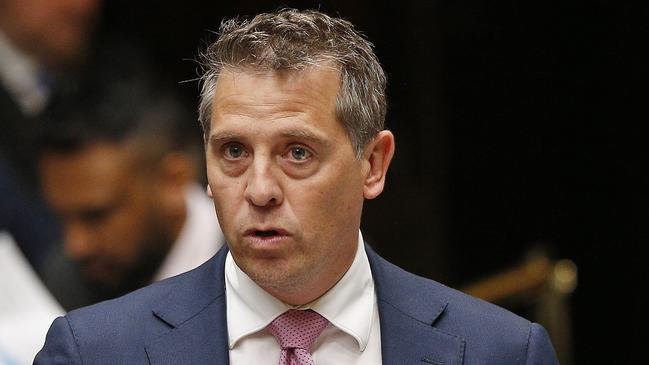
(96, 215)
(299, 153)
(234, 151)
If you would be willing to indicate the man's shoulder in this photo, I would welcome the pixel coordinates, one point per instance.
(119, 330)
(140, 311)
(127, 315)
(138, 301)
(113, 331)
(485, 330)
(461, 307)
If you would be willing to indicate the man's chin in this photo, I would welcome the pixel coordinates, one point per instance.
(275, 277)
(99, 282)
(100, 278)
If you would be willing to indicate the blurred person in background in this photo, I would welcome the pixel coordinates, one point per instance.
(120, 170)
(39, 40)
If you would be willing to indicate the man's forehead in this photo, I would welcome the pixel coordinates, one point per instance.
(284, 77)
(242, 92)
(99, 163)
(251, 103)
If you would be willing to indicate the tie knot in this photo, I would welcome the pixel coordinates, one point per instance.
(298, 328)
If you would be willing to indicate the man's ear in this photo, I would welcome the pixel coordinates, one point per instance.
(177, 170)
(376, 159)
(175, 173)
(209, 191)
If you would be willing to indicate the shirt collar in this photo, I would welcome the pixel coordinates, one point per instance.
(349, 305)
(20, 75)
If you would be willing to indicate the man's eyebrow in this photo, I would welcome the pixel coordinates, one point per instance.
(223, 136)
(303, 134)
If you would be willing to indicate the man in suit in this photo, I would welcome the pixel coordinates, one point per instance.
(292, 108)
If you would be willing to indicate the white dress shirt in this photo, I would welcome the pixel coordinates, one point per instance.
(19, 76)
(353, 338)
(26, 307)
(199, 239)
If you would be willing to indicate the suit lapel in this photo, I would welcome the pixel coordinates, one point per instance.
(195, 319)
(196, 315)
(408, 309)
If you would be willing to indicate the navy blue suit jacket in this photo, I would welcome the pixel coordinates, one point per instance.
(182, 320)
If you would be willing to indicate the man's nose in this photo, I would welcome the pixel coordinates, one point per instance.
(262, 187)
(78, 241)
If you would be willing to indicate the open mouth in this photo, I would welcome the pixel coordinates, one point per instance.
(271, 233)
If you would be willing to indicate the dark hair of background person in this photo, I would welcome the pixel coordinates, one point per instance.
(120, 98)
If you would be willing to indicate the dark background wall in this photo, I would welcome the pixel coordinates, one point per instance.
(518, 125)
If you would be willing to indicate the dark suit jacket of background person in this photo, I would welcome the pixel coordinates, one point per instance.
(23, 213)
(18, 139)
(182, 320)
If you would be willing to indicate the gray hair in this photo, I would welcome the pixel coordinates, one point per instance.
(294, 40)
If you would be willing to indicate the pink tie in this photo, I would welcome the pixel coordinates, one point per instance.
(296, 331)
